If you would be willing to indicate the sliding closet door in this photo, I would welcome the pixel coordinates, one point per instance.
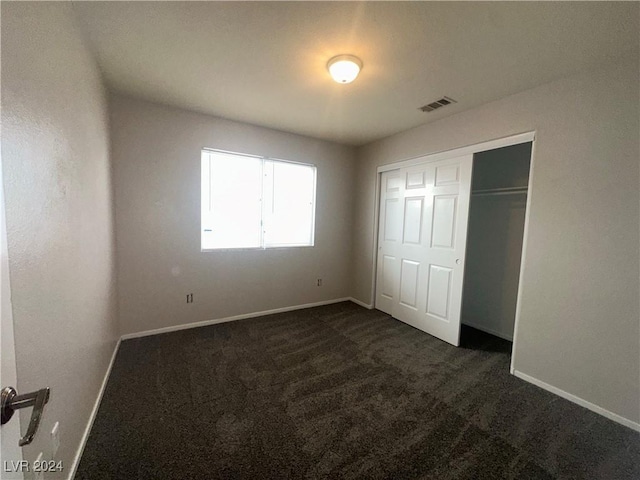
(391, 213)
(422, 239)
(448, 217)
(401, 244)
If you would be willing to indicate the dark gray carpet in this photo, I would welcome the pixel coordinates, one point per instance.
(339, 392)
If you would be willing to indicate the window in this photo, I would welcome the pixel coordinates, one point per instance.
(256, 202)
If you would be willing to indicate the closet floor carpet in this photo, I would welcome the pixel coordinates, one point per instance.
(339, 392)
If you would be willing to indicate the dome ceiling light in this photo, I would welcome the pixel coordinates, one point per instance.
(344, 68)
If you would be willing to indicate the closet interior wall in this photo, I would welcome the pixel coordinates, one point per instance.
(494, 243)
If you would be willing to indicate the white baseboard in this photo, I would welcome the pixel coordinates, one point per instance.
(489, 330)
(204, 323)
(579, 401)
(94, 412)
(362, 304)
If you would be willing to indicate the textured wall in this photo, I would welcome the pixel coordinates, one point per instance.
(579, 326)
(156, 155)
(55, 159)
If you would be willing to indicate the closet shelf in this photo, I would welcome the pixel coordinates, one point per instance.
(501, 191)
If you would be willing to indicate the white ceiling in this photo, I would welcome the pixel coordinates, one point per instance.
(265, 62)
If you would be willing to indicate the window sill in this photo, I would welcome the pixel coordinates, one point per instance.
(245, 249)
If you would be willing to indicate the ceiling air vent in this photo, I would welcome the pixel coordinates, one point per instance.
(444, 101)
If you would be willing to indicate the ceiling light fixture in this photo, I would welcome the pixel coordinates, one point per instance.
(344, 68)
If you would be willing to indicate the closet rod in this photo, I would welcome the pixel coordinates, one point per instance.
(501, 191)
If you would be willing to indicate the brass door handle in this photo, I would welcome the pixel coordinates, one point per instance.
(11, 402)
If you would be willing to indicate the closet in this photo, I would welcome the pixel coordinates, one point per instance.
(494, 240)
(450, 232)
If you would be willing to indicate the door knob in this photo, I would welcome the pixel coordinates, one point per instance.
(11, 402)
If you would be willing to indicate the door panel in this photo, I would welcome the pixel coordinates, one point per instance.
(447, 175)
(393, 183)
(409, 283)
(392, 220)
(388, 265)
(444, 221)
(415, 180)
(413, 212)
(422, 240)
(439, 292)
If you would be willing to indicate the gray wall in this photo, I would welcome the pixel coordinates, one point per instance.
(579, 326)
(55, 160)
(156, 155)
(494, 240)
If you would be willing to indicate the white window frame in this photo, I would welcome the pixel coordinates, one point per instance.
(263, 246)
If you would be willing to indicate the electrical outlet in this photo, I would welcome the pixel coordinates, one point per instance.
(55, 440)
(319, 282)
(189, 297)
(39, 472)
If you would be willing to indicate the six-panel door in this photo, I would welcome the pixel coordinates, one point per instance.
(421, 244)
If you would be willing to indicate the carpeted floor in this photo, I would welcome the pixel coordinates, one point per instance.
(339, 392)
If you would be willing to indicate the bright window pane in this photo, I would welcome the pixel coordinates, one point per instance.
(289, 198)
(232, 217)
(251, 202)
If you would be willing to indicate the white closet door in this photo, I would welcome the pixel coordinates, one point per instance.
(412, 248)
(424, 213)
(388, 274)
(448, 216)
